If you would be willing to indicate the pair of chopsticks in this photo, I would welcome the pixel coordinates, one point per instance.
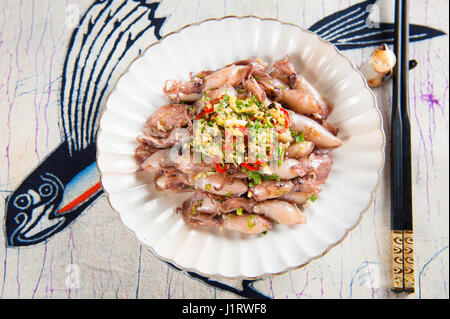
(401, 183)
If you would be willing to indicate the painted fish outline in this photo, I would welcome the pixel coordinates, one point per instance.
(119, 26)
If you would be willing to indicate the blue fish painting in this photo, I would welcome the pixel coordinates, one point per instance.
(109, 36)
(349, 29)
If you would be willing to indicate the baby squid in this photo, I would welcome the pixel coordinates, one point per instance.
(280, 211)
(314, 132)
(176, 135)
(215, 184)
(289, 168)
(271, 189)
(252, 86)
(300, 149)
(175, 182)
(183, 91)
(299, 101)
(247, 224)
(231, 75)
(297, 197)
(157, 161)
(166, 118)
(280, 146)
(285, 71)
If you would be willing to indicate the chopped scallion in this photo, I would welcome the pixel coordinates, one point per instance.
(313, 197)
(251, 221)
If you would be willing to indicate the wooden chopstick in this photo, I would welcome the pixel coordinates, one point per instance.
(401, 182)
(396, 162)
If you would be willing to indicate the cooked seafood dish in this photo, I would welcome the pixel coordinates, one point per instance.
(251, 141)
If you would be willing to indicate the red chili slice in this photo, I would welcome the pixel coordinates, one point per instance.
(286, 121)
(211, 109)
(200, 115)
(250, 167)
(243, 129)
(221, 169)
(204, 112)
(217, 99)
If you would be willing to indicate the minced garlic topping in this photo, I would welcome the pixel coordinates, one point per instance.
(219, 132)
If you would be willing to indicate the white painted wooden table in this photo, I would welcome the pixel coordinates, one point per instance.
(100, 258)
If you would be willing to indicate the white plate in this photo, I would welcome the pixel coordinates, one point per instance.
(212, 44)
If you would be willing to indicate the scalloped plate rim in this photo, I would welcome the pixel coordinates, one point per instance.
(347, 230)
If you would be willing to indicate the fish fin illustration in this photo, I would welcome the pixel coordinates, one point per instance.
(350, 29)
(247, 291)
(99, 50)
(109, 36)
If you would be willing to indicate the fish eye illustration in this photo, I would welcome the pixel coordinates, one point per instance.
(46, 190)
(23, 201)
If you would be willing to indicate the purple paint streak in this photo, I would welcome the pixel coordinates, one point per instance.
(11, 103)
(48, 86)
(4, 272)
(271, 288)
(19, 37)
(302, 291)
(375, 225)
(31, 27)
(169, 283)
(425, 265)
(37, 105)
(42, 269)
(424, 145)
(17, 273)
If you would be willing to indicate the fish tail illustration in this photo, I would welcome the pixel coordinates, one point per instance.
(351, 28)
(109, 36)
(247, 290)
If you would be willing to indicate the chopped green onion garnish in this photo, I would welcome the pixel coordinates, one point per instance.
(239, 212)
(252, 175)
(205, 98)
(313, 197)
(280, 161)
(251, 221)
(302, 136)
(271, 177)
